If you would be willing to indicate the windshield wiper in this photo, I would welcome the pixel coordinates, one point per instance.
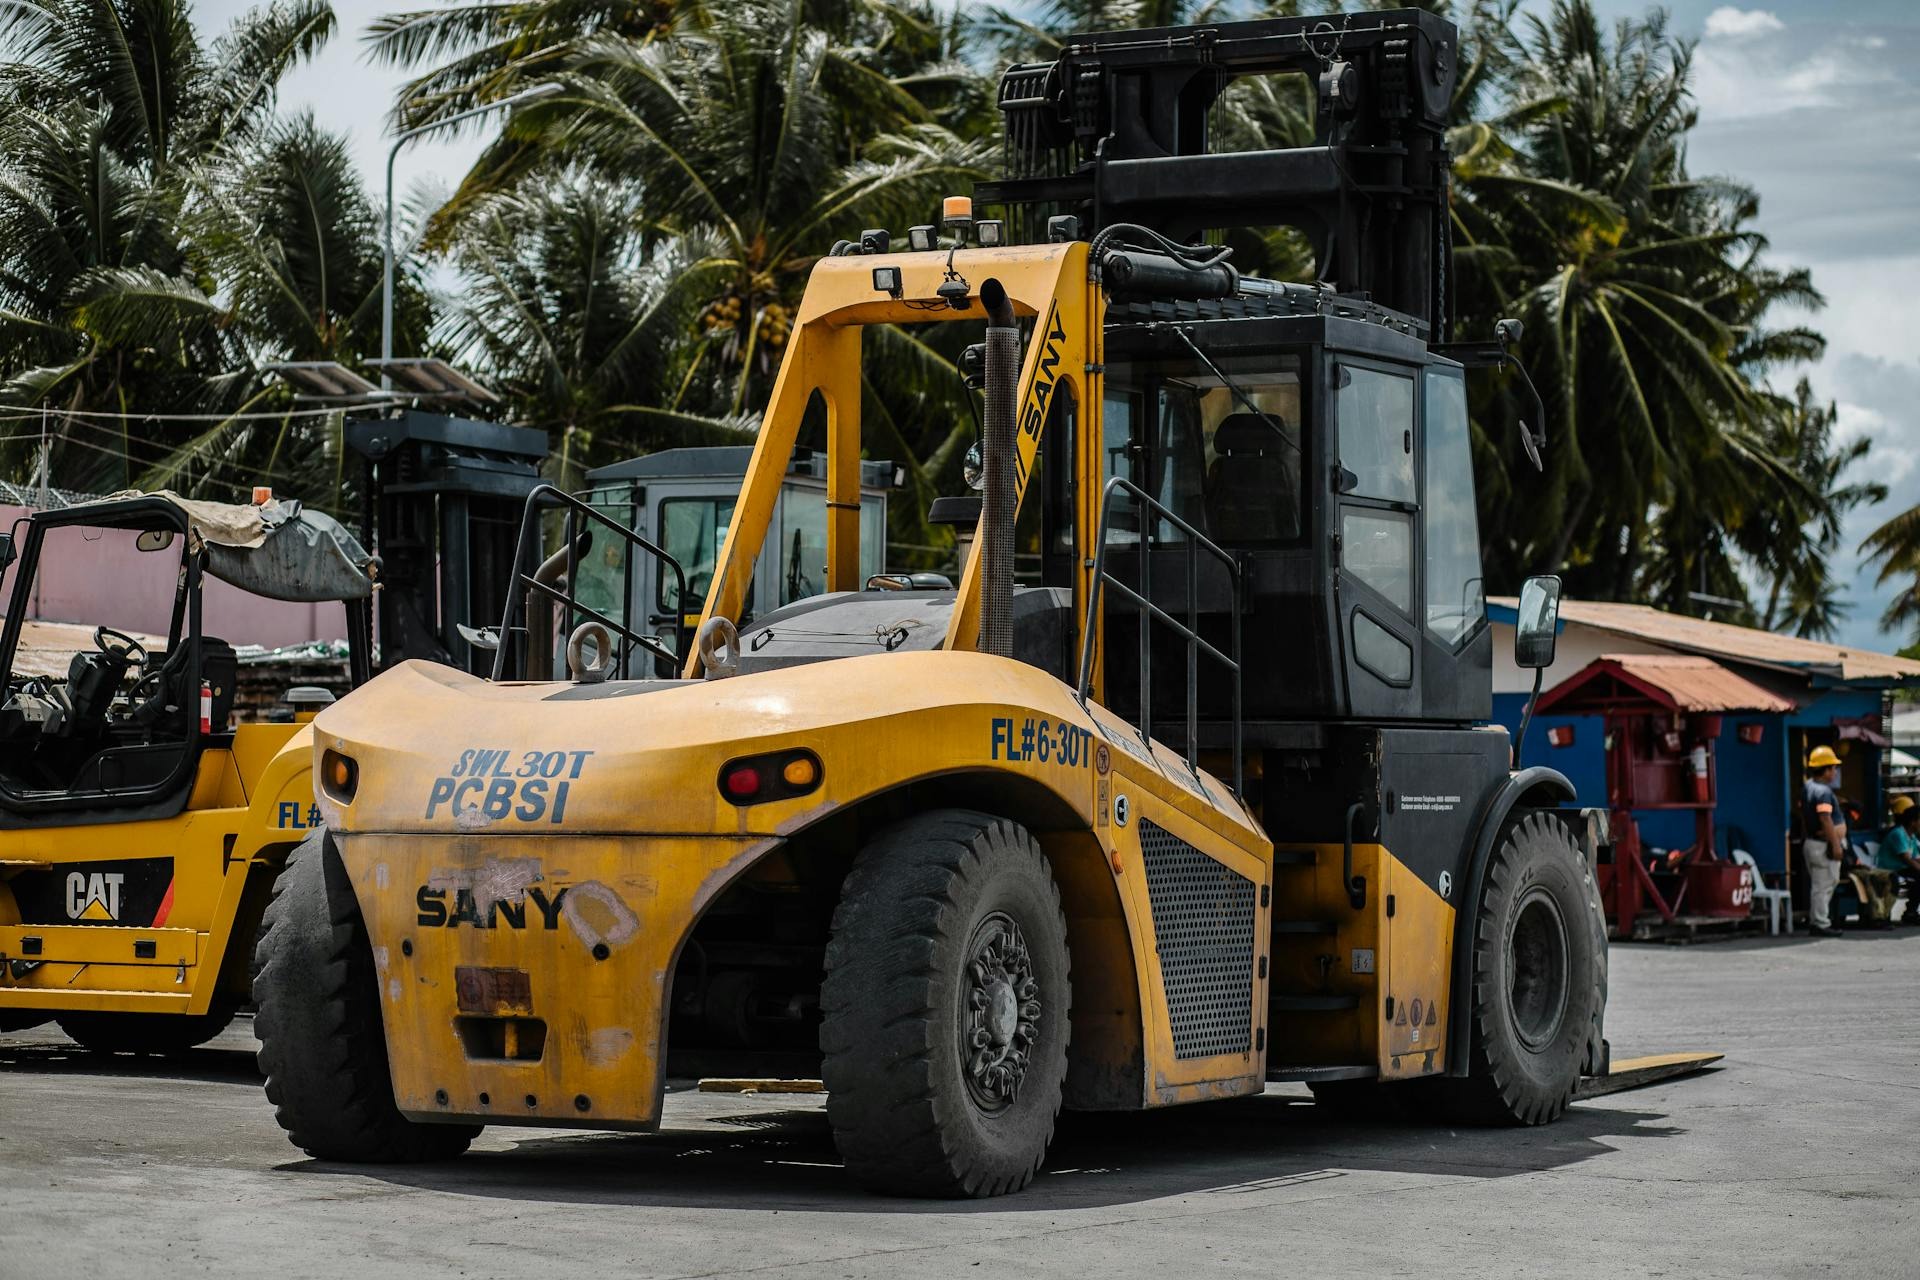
(1235, 387)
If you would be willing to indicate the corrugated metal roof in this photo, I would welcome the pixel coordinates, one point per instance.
(1695, 683)
(1737, 644)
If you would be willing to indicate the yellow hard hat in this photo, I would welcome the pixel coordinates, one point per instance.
(1900, 805)
(1822, 758)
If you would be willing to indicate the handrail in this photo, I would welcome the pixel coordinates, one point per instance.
(539, 500)
(1151, 612)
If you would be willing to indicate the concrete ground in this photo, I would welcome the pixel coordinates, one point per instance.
(1798, 1157)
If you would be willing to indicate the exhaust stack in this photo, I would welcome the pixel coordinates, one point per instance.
(999, 501)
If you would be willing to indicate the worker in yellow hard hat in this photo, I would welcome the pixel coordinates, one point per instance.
(1900, 852)
(1825, 844)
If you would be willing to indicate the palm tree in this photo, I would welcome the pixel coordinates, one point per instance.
(1791, 540)
(1896, 545)
(105, 305)
(736, 135)
(290, 239)
(1038, 33)
(1643, 299)
(582, 331)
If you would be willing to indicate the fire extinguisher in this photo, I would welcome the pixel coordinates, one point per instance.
(1697, 763)
(206, 707)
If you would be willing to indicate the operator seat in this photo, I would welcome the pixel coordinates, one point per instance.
(92, 680)
(1253, 486)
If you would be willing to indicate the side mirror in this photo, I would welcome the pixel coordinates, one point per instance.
(154, 539)
(7, 553)
(1537, 624)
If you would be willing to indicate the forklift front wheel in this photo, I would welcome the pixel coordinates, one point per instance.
(323, 1048)
(946, 1003)
(1539, 979)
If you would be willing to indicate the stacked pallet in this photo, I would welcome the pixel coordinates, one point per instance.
(266, 675)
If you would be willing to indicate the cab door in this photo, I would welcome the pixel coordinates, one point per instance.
(1376, 533)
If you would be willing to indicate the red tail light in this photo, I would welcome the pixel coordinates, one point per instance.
(778, 775)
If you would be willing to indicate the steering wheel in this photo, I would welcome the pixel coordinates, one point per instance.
(127, 652)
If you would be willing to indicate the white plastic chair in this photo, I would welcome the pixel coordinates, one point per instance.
(1779, 902)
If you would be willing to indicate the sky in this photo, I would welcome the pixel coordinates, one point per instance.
(1814, 103)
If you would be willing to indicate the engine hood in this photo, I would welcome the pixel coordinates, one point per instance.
(437, 749)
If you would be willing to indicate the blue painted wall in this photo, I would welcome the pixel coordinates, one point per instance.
(1754, 780)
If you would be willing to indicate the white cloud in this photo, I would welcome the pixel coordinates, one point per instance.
(1892, 460)
(1729, 23)
(1769, 77)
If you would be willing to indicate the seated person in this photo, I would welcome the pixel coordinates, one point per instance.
(1899, 853)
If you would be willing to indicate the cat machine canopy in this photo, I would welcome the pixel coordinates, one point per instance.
(141, 818)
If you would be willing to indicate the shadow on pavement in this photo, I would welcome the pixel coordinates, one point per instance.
(786, 1159)
(58, 1056)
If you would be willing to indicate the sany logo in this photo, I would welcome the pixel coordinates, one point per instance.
(95, 896)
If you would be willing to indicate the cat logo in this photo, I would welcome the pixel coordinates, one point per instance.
(94, 897)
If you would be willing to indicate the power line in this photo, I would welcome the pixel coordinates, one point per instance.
(115, 453)
(18, 412)
(245, 471)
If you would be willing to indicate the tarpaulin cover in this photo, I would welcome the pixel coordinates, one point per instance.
(278, 550)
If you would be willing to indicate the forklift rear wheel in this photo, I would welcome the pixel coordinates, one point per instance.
(946, 1003)
(1539, 979)
(160, 1033)
(322, 1047)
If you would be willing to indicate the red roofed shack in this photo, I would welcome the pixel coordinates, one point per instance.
(1837, 696)
(1662, 718)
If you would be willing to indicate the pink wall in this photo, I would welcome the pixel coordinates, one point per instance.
(99, 578)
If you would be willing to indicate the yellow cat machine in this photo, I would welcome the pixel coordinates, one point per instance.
(139, 829)
(1206, 803)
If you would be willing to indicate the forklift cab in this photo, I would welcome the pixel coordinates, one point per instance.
(1330, 456)
(683, 500)
(114, 722)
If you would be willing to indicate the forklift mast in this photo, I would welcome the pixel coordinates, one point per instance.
(442, 507)
(1120, 130)
(1315, 430)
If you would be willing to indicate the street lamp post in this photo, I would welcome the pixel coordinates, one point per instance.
(386, 281)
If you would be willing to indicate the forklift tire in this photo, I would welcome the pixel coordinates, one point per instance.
(322, 1047)
(946, 1006)
(1539, 980)
(154, 1033)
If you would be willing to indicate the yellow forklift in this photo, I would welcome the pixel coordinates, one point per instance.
(1208, 802)
(140, 828)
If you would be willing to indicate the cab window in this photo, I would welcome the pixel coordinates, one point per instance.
(1225, 458)
(1376, 432)
(604, 568)
(1455, 594)
(1374, 413)
(692, 530)
(803, 544)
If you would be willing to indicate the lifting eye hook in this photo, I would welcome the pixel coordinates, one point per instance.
(601, 639)
(718, 634)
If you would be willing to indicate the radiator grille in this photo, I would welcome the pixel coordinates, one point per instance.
(1203, 917)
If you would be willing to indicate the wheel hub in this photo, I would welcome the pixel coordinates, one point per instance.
(1000, 1013)
(1537, 970)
